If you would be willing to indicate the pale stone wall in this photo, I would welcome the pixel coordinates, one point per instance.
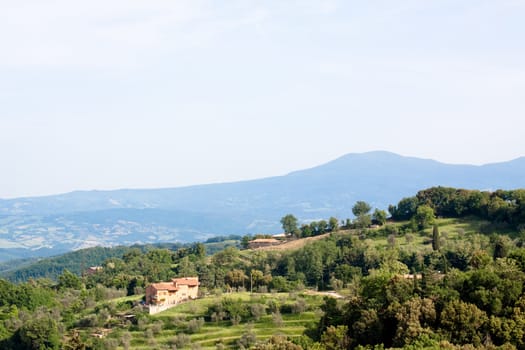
(154, 309)
(193, 292)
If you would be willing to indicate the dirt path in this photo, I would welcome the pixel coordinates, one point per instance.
(329, 293)
(295, 244)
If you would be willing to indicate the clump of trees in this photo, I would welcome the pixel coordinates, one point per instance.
(481, 306)
(363, 219)
(506, 207)
(314, 228)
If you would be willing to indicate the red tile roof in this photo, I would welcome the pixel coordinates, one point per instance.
(165, 286)
(186, 281)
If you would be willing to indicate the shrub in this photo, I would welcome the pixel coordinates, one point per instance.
(235, 319)
(195, 325)
(247, 340)
(110, 343)
(156, 327)
(277, 319)
(299, 306)
(257, 311)
(272, 305)
(181, 340)
(280, 284)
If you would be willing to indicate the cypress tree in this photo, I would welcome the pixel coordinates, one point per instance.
(435, 237)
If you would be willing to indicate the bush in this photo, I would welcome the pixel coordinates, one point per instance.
(272, 305)
(88, 321)
(126, 340)
(177, 321)
(195, 325)
(299, 306)
(105, 293)
(257, 311)
(277, 319)
(235, 320)
(277, 342)
(247, 340)
(181, 340)
(111, 343)
(143, 323)
(280, 284)
(156, 327)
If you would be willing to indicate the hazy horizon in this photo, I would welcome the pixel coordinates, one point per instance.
(128, 94)
(239, 180)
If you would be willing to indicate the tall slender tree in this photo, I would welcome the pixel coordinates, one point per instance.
(435, 238)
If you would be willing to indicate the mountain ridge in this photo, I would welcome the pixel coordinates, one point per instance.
(182, 214)
(338, 159)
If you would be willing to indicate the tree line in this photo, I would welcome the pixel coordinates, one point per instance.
(501, 206)
(363, 219)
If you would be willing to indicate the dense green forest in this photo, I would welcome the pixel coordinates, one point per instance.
(446, 270)
(78, 261)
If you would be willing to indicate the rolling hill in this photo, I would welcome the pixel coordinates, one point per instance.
(48, 225)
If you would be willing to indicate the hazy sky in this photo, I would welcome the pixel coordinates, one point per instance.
(107, 94)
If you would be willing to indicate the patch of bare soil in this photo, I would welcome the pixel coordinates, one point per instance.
(329, 293)
(294, 244)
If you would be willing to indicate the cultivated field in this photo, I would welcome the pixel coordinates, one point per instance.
(280, 316)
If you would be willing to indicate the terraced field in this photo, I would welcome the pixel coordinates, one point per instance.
(226, 333)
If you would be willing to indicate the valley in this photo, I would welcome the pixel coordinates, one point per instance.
(45, 226)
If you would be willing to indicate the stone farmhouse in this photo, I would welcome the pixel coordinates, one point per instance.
(164, 295)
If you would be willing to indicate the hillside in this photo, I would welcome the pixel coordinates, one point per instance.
(78, 261)
(53, 224)
(422, 282)
(370, 269)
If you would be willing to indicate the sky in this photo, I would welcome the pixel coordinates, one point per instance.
(109, 94)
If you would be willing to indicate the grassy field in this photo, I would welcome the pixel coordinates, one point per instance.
(174, 321)
(450, 228)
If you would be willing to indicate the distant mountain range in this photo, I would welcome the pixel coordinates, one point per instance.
(47, 225)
